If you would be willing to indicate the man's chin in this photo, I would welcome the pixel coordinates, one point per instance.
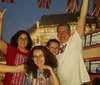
(63, 41)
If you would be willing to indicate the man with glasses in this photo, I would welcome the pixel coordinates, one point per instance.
(71, 69)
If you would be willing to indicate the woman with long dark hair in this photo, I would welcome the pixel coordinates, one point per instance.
(38, 68)
(15, 53)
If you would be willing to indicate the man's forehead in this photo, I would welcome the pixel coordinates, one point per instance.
(62, 28)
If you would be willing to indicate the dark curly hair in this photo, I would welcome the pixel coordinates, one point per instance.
(50, 60)
(14, 39)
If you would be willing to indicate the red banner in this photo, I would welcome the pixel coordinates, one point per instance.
(8, 1)
(72, 6)
(96, 9)
(44, 4)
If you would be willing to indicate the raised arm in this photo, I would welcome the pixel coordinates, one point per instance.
(82, 18)
(3, 45)
(6, 68)
(54, 78)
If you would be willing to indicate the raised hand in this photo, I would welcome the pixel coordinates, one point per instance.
(2, 43)
(2, 13)
(45, 67)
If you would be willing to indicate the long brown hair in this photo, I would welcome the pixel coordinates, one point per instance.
(49, 60)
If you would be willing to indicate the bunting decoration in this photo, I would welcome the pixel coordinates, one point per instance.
(96, 9)
(8, 1)
(44, 4)
(72, 6)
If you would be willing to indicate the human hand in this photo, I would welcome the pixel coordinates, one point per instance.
(46, 70)
(45, 67)
(2, 13)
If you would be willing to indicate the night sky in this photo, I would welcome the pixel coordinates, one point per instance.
(24, 13)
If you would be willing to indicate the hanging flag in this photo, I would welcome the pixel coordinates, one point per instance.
(44, 4)
(72, 6)
(2, 0)
(8, 1)
(12, 1)
(96, 8)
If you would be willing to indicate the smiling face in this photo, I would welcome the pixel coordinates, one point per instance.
(22, 41)
(53, 47)
(38, 57)
(63, 34)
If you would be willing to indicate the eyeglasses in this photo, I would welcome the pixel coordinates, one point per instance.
(55, 48)
(25, 39)
(63, 32)
(40, 56)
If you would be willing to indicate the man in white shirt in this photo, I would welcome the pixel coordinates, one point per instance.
(71, 69)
